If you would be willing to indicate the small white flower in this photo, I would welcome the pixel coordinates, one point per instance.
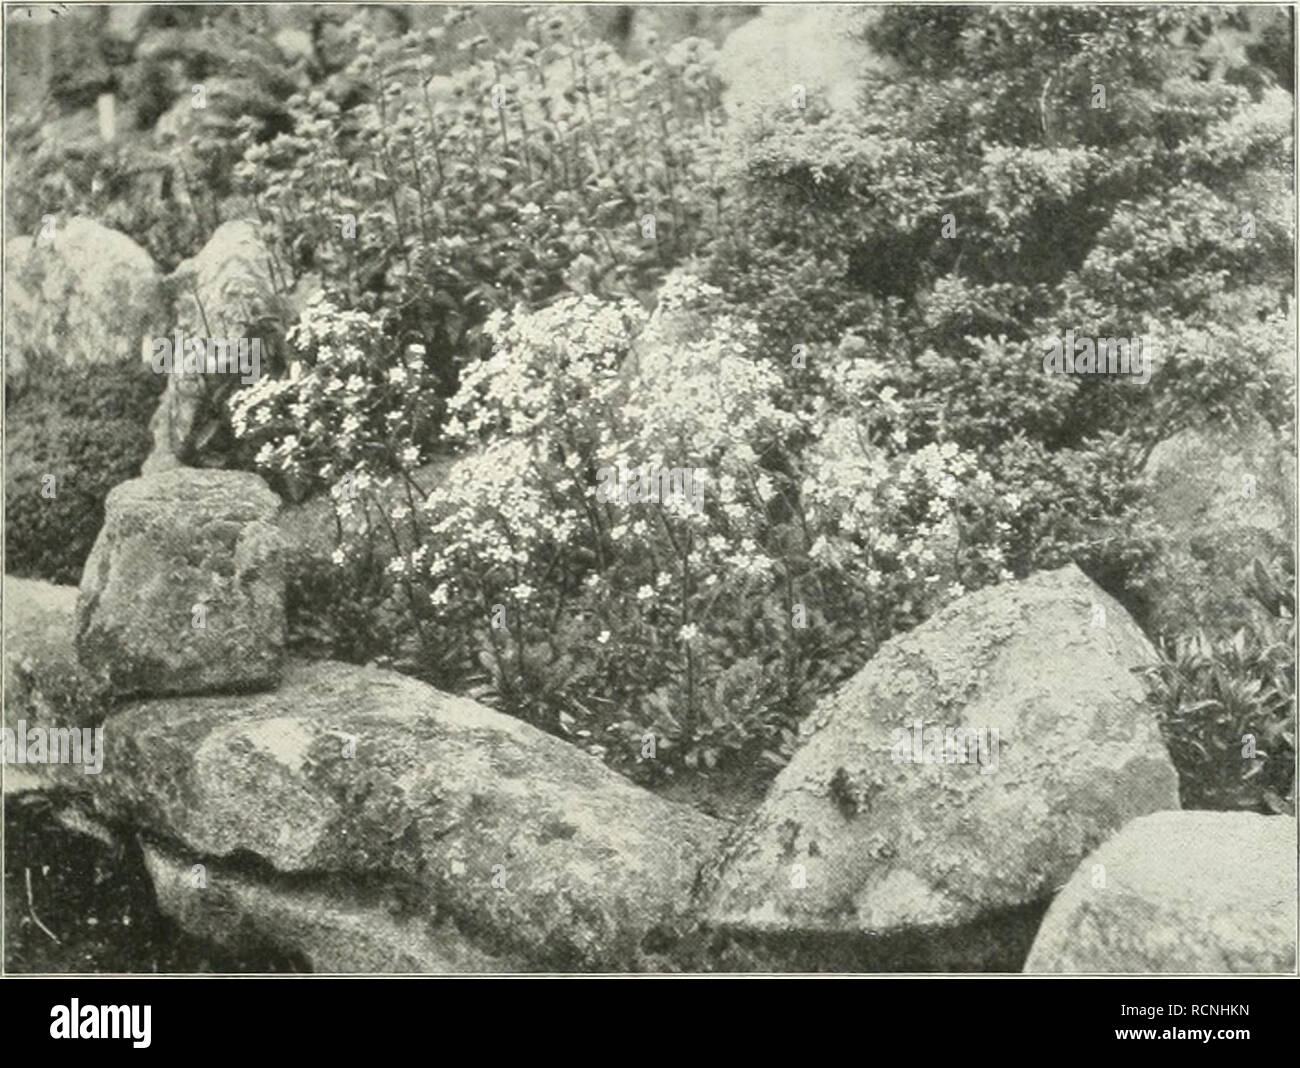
(688, 632)
(603, 637)
(645, 593)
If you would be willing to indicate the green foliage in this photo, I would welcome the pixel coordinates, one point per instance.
(524, 175)
(88, 427)
(1227, 706)
(864, 393)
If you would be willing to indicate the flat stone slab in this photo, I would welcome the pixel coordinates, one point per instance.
(535, 848)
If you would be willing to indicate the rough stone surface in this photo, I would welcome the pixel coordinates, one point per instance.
(87, 295)
(813, 45)
(44, 685)
(172, 541)
(226, 291)
(332, 926)
(887, 847)
(439, 793)
(1179, 892)
(1224, 497)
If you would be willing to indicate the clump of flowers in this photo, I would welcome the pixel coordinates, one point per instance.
(692, 623)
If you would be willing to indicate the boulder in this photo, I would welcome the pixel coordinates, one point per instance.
(1223, 497)
(818, 47)
(1179, 892)
(44, 685)
(184, 589)
(527, 844)
(85, 294)
(228, 290)
(332, 925)
(888, 821)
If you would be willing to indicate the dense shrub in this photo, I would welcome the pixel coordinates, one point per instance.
(122, 184)
(89, 428)
(977, 203)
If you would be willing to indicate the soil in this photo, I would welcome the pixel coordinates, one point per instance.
(96, 899)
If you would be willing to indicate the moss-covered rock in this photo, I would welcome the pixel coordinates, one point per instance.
(184, 590)
(859, 836)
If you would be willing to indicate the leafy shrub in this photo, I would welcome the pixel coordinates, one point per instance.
(122, 184)
(88, 427)
(1227, 706)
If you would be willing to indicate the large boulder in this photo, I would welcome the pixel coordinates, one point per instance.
(184, 589)
(1179, 892)
(331, 925)
(525, 843)
(1223, 497)
(228, 290)
(83, 294)
(858, 837)
(819, 47)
